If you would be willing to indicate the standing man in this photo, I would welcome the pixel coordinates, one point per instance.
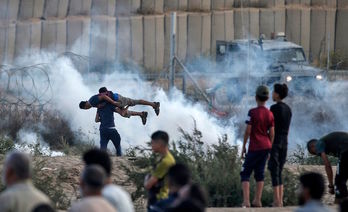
(105, 116)
(282, 118)
(157, 183)
(334, 144)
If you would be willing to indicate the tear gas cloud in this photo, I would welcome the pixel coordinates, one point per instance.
(312, 117)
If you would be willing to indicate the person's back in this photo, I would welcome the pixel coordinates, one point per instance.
(282, 118)
(118, 197)
(261, 120)
(20, 194)
(333, 143)
(21, 197)
(106, 115)
(314, 206)
(92, 204)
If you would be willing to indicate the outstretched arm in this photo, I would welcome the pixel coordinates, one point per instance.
(328, 168)
(108, 99)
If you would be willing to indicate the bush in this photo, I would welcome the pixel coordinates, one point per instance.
(215, 167)
(6, 144)
(300, 156)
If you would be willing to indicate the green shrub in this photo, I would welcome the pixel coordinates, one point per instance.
(6, 144)
(215, 167)
(300, 156)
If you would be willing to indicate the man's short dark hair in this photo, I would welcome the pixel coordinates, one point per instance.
(99, 157)
(82, 104)
(281, 89)
(314, 182)
(94, 177)
(262, 98)
(103, 90)
(44, 207)
(310, 143)
(179, 175)
(161, 135)
(20, 164)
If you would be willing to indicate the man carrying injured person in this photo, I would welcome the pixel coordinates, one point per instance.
(333, 144)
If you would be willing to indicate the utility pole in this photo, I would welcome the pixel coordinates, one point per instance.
(172, 51)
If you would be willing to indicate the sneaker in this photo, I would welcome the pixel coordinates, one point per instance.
(157, 108)
(144, 117)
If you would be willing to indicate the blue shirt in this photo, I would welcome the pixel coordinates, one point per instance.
(116, 96)
(106, 115)
(94, 100)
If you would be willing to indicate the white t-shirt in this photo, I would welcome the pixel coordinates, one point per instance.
(118, 197)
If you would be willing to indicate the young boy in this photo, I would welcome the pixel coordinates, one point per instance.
(260, 130)
(115, 99)
(282, 118)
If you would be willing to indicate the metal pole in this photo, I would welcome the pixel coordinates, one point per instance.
(328, 52)
(172, 52)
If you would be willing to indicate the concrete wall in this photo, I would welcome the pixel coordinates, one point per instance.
(53, 37)
(298, 27)
(322, 27)
(222, 28)
(56, 8)
(199, 5)
(222, 4)
(152, 6)
(154, 42)
(170, 5)
(342, 32)
(9, 9)
(246, 23)
(7, 42)
(137, 42)
(104, 7)
(127, 7)
(31, 9)
(198, 35)
(80, 7)
(78, 35)
(181, 37)
(272, 20)
(28, 37)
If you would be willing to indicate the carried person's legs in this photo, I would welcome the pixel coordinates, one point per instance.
(132, 102)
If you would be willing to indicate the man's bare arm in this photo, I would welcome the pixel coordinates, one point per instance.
(97, 118)
(246, 137)
(271, 134)
(150, 182)
(108, 99)
(328, 168)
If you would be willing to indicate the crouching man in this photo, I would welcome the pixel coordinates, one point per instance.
(334, 144)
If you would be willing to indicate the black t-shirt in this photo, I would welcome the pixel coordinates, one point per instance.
(282, 118)
(332, 144)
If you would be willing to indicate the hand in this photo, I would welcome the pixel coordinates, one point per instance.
(243, 152)
(331, 189)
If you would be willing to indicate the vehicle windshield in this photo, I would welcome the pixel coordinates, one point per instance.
(286, 55)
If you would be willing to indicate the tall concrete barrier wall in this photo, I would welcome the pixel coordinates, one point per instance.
(342, 32)
(222, 28)
(222, 4)
(246, 3)
(326, 3)
(298, 27)
(246, 23)
(124, 42)
(137, 41)
(342, 4)
(53, 36)
(28, 37)
(7, 42)
(154, 42)
(103, 7)
(199, 35)
(127, 7)
(9, 9)
(56, 8)
(31, 9)
(272, 3)
(78, 34)
(181, 37)
(199, 5)
(173, 5)
(322, 28)
(272, 21)
(152, 6)
(103, 39)
(298, 2)
(80, 7)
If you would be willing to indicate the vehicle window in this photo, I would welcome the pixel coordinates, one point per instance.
(287, 55)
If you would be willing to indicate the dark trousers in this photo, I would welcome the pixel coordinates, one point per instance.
(276, 163)
(254, 161)
(342, 176)
(110, 134)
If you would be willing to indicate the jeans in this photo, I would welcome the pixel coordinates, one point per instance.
(110, 134)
